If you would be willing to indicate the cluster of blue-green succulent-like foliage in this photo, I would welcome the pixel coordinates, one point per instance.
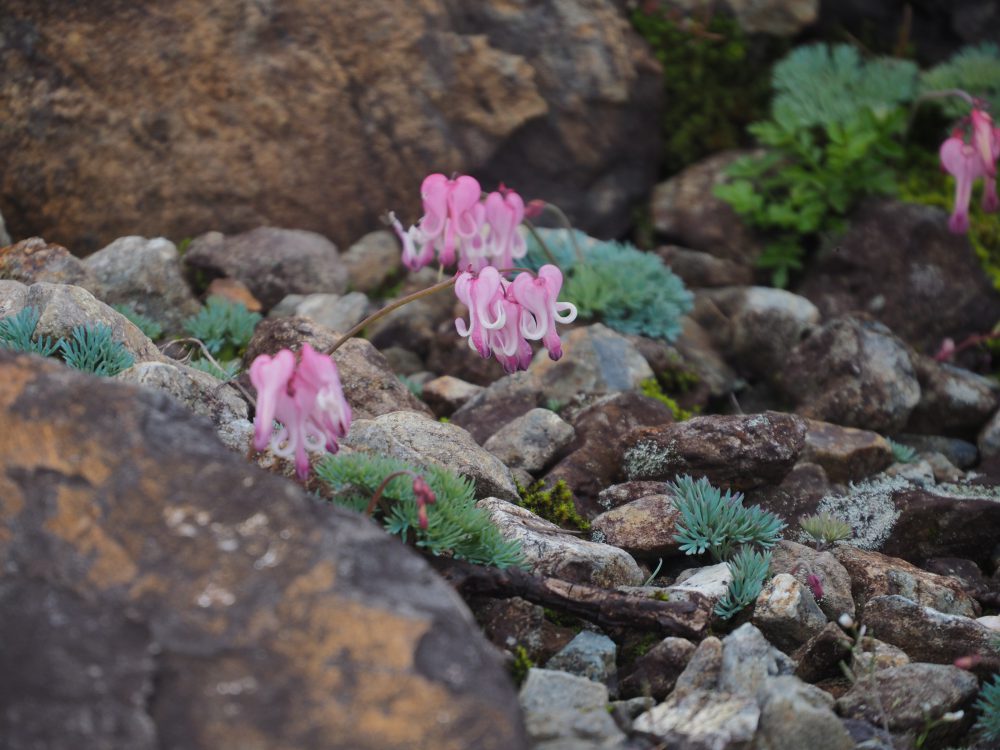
(456, 527)
(988, 707)
(626, 289)
(144, 323)
(749, 569)
(91, 348)
(903, 454)
(718, 523)
(225, 328)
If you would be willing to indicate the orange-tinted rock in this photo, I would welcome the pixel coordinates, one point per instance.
(234, 291)
(161, 592)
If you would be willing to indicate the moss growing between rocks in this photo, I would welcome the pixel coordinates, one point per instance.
(715, 82)
(651, 387)
(520, 665)
(555, 504)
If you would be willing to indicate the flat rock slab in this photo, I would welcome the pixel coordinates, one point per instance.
(737, 452)
(160, 592)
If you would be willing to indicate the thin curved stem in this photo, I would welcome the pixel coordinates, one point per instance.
(569, 228)
(373, 503)
(208, 355)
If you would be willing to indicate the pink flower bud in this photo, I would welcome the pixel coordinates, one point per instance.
(815, 585)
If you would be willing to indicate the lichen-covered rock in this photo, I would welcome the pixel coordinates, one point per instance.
(952, 400)
(591, 655)
(703, 719)
(420, 440)
(63, 307)
(272, 262)
(929, 285)
(853, 372)
(164, 593)
(548, 550)
(370, 386)
(144, 274)
(317, 116)
(530, 441)
(34, 260)
(846, 454)
(737, 451)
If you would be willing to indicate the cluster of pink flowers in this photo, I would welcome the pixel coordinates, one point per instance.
(505, 315)
(459, 224)
(306, 400)
(968, 162)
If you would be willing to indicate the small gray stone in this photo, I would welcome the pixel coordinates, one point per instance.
(749, 661)
(548, 550)
(952, 399)
(703, 720)
(787, 613)
(445, 394)
(563, 707)
(795, 716)
(373, 260)
(144, 274)
(335, 311)
(595, 360)
(417, 439)
(589, 655)
(988, 440)
(961, 453)
(531, 441)
(702, 671)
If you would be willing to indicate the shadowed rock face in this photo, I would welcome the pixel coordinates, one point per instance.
(175, 118)
(159, 592)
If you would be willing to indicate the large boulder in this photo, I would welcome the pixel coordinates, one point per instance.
(158, 591)
(183, 117)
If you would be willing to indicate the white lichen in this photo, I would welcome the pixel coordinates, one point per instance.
(647, 459)
(869, 508)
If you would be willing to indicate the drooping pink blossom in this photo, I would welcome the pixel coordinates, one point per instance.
(424, 496)
(984, 139)
(504, 214)
(453, 217)
(306, 401)
(482, 293)
(962, 161)
(538, 297)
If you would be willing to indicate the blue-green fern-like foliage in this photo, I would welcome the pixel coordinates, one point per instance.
(988, 708)
(718, 523)
(975, 70)
(626, 289)
(144, 323)
(16, 332)
(92, 349)
(224, 327)
(456, 527)
(750, 569)
(818, 85)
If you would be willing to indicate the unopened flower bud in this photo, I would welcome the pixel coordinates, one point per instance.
(845, 621)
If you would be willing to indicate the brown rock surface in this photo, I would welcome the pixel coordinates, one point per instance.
(161, 592)
(845, 453)
(34, 259)
(177, 118)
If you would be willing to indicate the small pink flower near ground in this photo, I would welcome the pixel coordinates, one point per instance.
(305, 400)
(968, 162)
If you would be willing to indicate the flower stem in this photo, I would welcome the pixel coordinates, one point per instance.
(381, 488)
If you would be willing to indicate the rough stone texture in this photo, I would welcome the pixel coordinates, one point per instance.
(158, 591)
(569, 710)
(370, 386)
(272, 262)
(500, 403)
(63, 307)
(755, 327)
(4, 237)
(953, 400)
(873, 574)
(510, 623)
(749, 662)
(643, 527)
(589, 655)
(800, 560)
(854, 372)
(373, 260)
(926, 634)
(988, 440)
(686, 212)
(703, 720)
(797, 716)
(234, 291)
(820, 656)
(199, 392)
(929, 285)
(698, 352)
(531, 441)
(33, 260)
(911, 695)
(737, 451)
(787, 613)
(846, 454)
(595, 360)
(699, 269)
(655, 673)
(549, 551)
(317, 116)
(445, 394)
(420, 440)
(619, 494)
(146, 275)
(338, 312)
(961, 453)
(798, 494)
(702, 671)
(594, 462)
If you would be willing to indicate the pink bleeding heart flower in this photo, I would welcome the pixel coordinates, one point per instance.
(984, 139)
(424, 496)
(965, 164)
(504, 213)
(452, 213)
(815, 585)
(507, 343)
(307, 401)
(538, 298)
(482, 293)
